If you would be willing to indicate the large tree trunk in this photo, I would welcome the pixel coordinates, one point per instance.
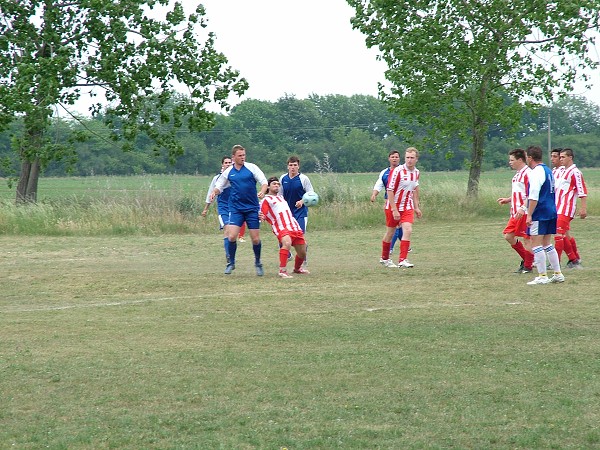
(476, 162)
(28, 181)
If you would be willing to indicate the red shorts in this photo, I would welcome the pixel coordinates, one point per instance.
(405, 216)
(517, 226)
(563, 224)
(297, 237)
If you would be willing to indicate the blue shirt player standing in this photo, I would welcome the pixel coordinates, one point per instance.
(541, 217)
(293, 186)
(241, 177)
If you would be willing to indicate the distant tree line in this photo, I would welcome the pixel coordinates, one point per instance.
(333, 132)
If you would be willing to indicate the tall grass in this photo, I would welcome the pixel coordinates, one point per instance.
(149, 205)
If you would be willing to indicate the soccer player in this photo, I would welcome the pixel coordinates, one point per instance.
(541, 217)
(242, 177)
(402, 205)
(570, 186)
(516, 226)
(293, 185)
(276, 211)
(222, 204)
(381, 184)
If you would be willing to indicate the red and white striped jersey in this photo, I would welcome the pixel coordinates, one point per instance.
(520, 185)
(278, 214)
(557, 171)
(401, 185)
(569, 186)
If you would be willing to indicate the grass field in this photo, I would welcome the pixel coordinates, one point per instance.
(140, 341)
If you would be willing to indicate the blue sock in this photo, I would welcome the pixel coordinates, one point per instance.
(226, 247)
(397, 235)
(232, 250)
(257, 249)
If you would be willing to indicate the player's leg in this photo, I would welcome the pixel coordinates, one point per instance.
(253, 225)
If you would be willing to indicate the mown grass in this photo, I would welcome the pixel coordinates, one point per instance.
(141, 342)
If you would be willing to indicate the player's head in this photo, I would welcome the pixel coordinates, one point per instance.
(394, 158)
(566, 157)
(273, 186)
(238, 154)
(516, 158)
(225, 162)
(534, 153)
(555, 157)
(293, 165)
(411, 156)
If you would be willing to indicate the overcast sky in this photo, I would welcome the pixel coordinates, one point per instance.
(302, 47)
(299, 47)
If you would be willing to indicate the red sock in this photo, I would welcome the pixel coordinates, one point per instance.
(559, 245)
(574, 247)
(404, 246)
(520, 249)
(385, 249)
(298, 262)
(569, 249)
(283, 256)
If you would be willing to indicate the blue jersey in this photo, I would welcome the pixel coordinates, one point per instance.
(242, 184)
(541, 188)
(222, 198)
(292, 190)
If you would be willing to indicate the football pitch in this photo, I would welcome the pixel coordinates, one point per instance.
(142, 342)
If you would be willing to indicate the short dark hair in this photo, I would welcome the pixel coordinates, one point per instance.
(556, 150)
(393, 152)
(270, 180)
(534, 152)
(293, 159)
(224, 158)
(568, 152)
(518, 153)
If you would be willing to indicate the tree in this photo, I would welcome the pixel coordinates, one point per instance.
(51, 51)
(451, 64)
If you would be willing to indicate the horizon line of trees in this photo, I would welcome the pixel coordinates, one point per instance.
(350, 134)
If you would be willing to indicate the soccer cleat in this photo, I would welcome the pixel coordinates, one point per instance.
(230, 268)
(284, 274)
(387, 263)
(405, 263)
(301, 270)
(521, 267)
(574, 264)
(557, 278)
(241, 239)
(526, 270)
(259, 269)
(409, 249)
(290, 256)
(539, 280)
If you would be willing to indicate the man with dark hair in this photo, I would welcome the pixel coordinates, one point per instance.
(516, 226)
(276, 211)
(541, 217)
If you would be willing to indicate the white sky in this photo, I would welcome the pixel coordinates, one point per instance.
(301, 47)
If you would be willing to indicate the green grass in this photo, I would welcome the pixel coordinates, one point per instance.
(155, 205)
(141, 342)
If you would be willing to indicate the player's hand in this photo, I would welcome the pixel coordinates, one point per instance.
(299, 204)
(203, 213)
(503, 200)
(583, 213)
(418, 213)
(260, 194)
(261, 216)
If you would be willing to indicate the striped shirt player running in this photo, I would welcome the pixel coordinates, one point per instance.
(242, 177)
(516, 226)
(570, 186)
(222, 204)
(402, 205)
(276, 211)
(541, 218)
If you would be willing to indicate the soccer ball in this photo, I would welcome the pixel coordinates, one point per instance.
(310, 198)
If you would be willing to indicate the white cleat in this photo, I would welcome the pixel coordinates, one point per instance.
(387, 263)
(539, 280)
(405, 263)
(284, 274)
(557, 278)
